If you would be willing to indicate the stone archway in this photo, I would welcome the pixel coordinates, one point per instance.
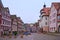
(59, 28)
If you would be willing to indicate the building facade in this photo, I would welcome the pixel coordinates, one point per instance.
(54, 17)
(0, 23)
(19, 24)
(33, 27)
(44, 23)
(14, 25)
(27, 26)
(6, 20)
(1, 6)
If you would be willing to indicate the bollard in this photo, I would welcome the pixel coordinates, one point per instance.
(21, 36)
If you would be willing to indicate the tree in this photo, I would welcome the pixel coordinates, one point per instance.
(15, 33)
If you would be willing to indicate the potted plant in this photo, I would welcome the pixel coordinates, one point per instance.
(4, 35)
(15, 33)
(56, 31)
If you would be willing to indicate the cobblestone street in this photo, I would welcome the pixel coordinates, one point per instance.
(46, 37)
(34, 36)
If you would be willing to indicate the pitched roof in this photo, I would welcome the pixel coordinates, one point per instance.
(18, 18)
(56, 5)
(6, 9)
(1, 5)
(13, 16)
(46, 10)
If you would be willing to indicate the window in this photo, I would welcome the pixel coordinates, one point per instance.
(54, 21)
(54, 28)
(50, 17)
(45, 23)
(59, 10)
(46, 18)
(3, 21)
(50, 22)
(58, 17)
(8, 11)
(54, 14)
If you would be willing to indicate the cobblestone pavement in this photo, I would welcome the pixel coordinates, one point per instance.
(46, 37)
(34, 36)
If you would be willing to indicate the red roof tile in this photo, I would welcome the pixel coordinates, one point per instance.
(46, 10)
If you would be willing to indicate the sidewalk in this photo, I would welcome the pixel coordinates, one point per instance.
(53, 34)
(1, 38)
(25, 37)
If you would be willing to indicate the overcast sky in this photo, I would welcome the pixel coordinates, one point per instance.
(28, 10)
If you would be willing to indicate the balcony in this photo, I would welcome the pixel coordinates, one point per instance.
(58, 14)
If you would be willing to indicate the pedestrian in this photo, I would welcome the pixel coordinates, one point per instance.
(22, 33)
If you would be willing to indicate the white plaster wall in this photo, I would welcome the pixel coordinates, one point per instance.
(44, 21)
(53, 24)
(53, 10)
(40, 24)
(14, 28)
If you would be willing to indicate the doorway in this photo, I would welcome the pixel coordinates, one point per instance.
(59, 28)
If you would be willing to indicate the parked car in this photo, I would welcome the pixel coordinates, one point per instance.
(27, 33)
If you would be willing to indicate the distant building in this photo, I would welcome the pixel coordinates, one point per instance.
(54, 18)
(5, 26)
(6, 20)
(44, 18)
(20, 24)
(40, 23)
(1, 6)
(27, 26)
(34, 29)
(0, 23)
(14, 23)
